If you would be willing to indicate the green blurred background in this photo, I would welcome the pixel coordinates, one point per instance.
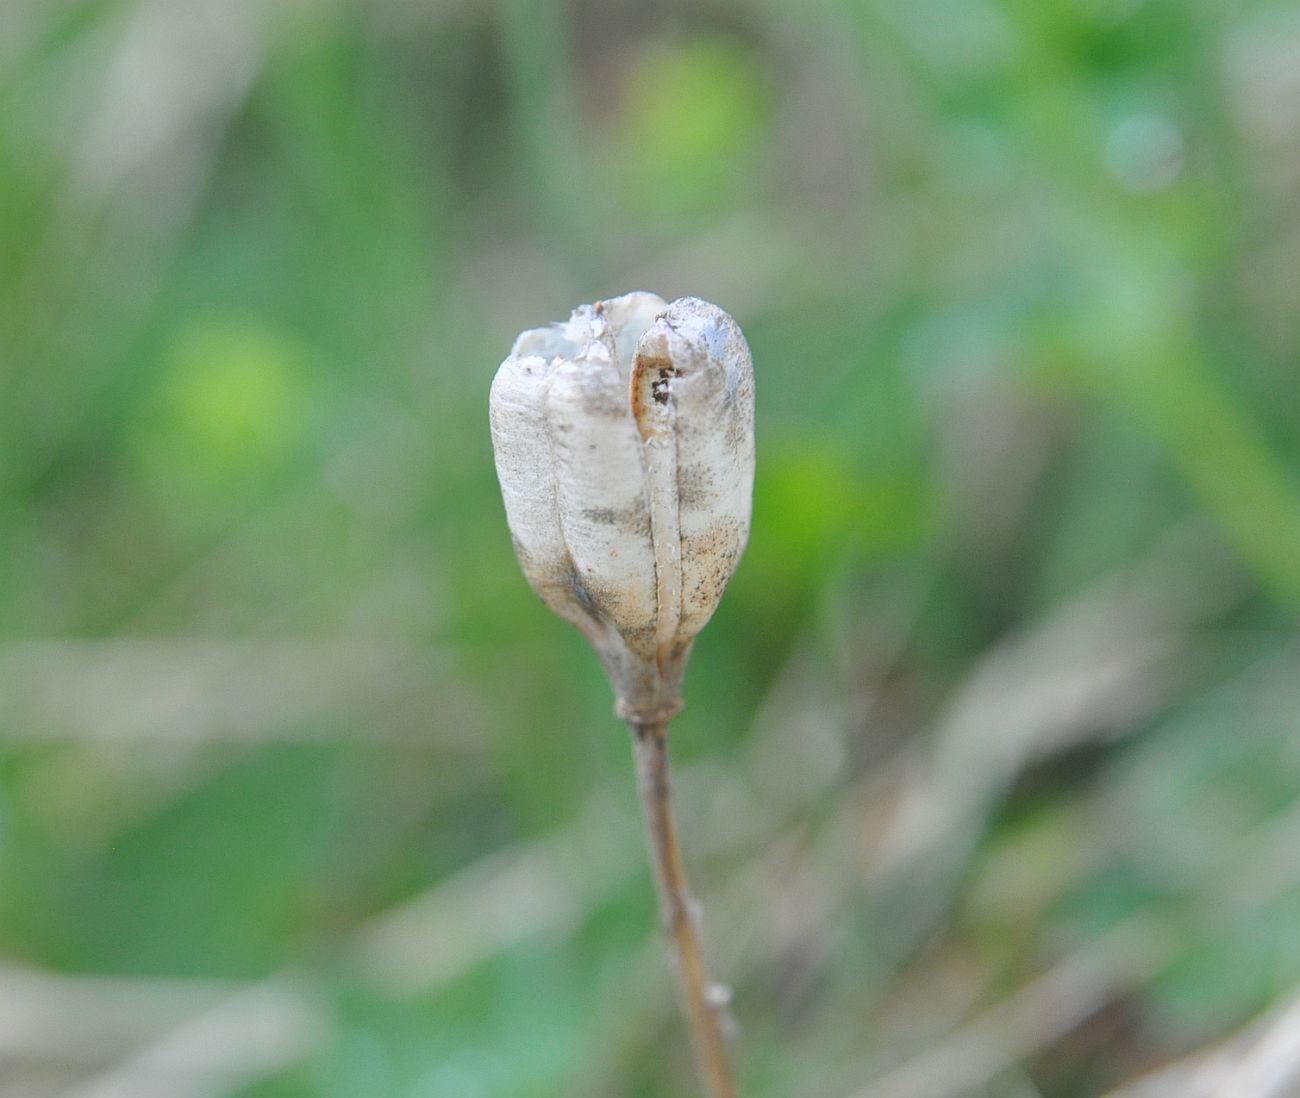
(989, 774)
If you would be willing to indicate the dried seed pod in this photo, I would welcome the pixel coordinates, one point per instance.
(624, 442)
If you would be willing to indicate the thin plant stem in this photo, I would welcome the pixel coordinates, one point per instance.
(678, 909)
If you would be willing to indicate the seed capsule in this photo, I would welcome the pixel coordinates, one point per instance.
(624, 442)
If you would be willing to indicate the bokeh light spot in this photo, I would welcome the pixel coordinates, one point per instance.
(229, 407)
(694, 114)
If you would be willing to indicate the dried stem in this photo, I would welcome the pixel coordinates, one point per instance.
(678, 909)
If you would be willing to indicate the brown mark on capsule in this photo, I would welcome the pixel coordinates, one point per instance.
(659, 371)
(720, 544)
(634, 520)
(696, 486)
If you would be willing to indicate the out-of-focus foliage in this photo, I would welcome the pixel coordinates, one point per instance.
(990, 766)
